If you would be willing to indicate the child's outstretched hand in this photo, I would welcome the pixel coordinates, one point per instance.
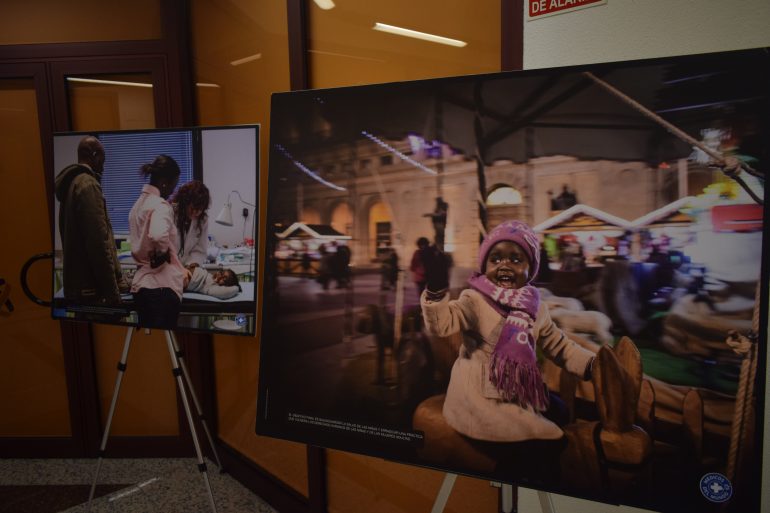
(436, 270)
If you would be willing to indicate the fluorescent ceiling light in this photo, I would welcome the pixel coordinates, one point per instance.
(206, 84)
(108, 82)
(324, 4)
(399, 31)
(250, 58)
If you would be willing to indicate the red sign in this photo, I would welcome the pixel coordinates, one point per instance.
(737, 218)
(540, 8)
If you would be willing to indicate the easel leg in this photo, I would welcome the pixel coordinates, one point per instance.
(116, 391)
(506, 491)
(180, 384)
(546, 503)
(195, 399)
(506, 494)
(443, 493)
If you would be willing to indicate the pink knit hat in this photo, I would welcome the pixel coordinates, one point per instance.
(521, 234)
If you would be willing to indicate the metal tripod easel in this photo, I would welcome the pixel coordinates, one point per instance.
(506, 496)
(179, 369)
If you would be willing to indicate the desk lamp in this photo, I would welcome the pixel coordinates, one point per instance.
(225, 216)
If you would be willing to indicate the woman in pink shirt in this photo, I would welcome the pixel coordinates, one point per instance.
(159, 279)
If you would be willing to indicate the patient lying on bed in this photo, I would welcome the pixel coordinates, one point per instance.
(222, 284)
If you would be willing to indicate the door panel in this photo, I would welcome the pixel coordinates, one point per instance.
(33, 388)
(102, 103)
(116, 101)
(107, 102)
(57, 377)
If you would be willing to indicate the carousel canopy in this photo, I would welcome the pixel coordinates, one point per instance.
(668, 215)
(312, 231)
(519, 116)
(581, 218)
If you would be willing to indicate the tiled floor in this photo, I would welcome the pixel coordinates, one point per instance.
(125, 486)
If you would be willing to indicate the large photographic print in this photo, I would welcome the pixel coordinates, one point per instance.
(156, 228)
(552, 278)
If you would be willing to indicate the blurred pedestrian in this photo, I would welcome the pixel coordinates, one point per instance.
(439, 217)
(389, 270)
(325, 266)
(417, 265)
(342, 259)
(305, 263)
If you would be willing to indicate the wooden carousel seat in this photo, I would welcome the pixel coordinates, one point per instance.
(443, 445)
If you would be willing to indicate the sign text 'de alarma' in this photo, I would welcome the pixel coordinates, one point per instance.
(541, 8)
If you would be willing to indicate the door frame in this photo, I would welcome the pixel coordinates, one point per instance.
(152, 65)
(167, 61)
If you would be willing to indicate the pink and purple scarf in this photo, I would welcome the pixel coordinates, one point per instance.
(513, 367)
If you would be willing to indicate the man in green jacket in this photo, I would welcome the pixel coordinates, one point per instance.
(92, 274)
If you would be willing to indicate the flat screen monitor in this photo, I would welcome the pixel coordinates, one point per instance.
(170, 214)
(611, 349)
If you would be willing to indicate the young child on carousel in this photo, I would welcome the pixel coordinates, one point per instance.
(496, 392)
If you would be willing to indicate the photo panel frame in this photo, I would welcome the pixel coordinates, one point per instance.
(218, 166)
(643, 183)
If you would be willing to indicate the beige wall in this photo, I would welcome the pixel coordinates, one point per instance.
(627, 29)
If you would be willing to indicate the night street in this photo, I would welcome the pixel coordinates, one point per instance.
(322, 362)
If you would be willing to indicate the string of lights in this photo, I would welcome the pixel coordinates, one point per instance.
(403, 156)
(307, 170)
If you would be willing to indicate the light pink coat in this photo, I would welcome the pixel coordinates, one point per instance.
(473, 406)
(151, 228)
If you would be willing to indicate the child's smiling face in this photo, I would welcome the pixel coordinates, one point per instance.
(507, 265)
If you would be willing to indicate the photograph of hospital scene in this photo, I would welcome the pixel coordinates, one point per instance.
(642, 183)
(198, 188)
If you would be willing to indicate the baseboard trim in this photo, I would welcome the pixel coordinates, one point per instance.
(149, 447)
(39, 447)
(268, 487)
(117, 447)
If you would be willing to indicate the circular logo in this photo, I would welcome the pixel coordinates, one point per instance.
(716, 487)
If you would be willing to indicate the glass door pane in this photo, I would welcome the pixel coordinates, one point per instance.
(353, 43)
(99, 102)
(33, 387)
(240, 56)
(110, 102)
